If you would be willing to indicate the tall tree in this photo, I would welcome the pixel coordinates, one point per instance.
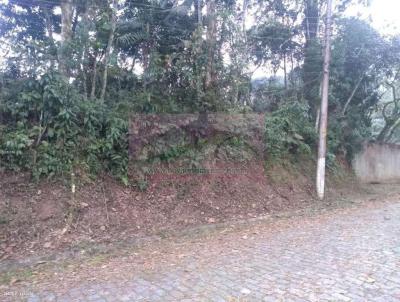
(66, 35)
(110, 42)
(211, 42)
(312, 56)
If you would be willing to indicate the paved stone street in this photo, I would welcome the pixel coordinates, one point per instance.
(349, 255)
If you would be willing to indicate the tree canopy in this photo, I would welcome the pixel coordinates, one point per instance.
(73, 70)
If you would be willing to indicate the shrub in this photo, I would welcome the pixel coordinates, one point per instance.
(288, 132)
(51, 129)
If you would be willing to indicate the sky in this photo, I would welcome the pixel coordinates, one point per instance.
(384, 14)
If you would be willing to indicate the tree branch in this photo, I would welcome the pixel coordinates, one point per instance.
(352, 95)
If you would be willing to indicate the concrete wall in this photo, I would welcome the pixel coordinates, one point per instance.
(378, 163)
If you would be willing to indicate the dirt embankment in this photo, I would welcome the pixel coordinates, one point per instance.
(41, 218)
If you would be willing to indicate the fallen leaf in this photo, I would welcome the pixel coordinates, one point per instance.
(40, 262)
(47, 245)
(14, 280)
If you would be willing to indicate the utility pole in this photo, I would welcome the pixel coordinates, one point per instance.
(323, 124)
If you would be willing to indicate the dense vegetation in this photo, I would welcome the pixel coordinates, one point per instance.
(74, 71)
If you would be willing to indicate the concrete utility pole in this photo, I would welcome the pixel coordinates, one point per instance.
(323, 124)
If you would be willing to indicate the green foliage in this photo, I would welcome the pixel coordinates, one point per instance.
(270, 94)
(56, 130)
(289, 132)
(14, 149)
(179, 57)
(174, 152)
(362, 62)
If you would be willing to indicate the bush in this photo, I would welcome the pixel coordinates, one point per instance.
(50, 129)
(289, 132)
(14, 149)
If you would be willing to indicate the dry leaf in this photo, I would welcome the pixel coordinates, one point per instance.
(14, 280)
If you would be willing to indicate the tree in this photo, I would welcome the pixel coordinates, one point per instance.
(362, 62)
(112, 57)
(312, 56)
(66, 36)
(110, 43)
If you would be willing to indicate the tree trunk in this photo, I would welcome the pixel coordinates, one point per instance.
(49, 29)
(85, 38)
(312, 53)
(395, 126)
(75, 22)
(384, 132)
(66, 35)
(109, 47)
(244, 55)
(211, 41)
(351, 96)
(285, 71)
(392, 120)
(146, 60)
(199, 38)
(94, 77)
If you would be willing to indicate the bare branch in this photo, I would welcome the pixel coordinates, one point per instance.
(352, 95)
(385, 116)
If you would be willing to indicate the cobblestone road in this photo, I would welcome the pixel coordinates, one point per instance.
(349, 255)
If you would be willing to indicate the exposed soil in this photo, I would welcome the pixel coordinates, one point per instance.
(206, 248)
(42, 218)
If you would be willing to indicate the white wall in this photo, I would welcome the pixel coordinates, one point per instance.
(378, 163)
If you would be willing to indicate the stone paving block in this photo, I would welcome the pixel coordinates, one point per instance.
(352, 257)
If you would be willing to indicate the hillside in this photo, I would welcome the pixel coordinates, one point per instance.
(39, 218)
